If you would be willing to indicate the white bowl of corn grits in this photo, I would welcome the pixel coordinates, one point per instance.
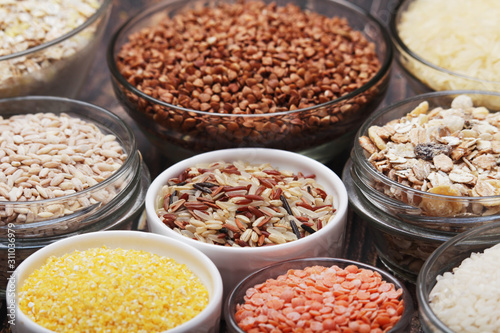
(126, 280)
(249, 227)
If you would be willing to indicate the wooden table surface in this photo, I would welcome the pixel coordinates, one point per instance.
(358, 244)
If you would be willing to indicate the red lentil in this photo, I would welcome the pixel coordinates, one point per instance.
(320, 298)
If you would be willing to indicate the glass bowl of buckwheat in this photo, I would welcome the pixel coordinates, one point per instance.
(47, 46)
(425, 169)
(198, 75)
(67, 167)
(250, 207)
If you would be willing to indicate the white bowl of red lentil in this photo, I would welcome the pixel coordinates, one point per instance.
(49, 49)
(319, 294)
(243, 230)
(120, 276)
(304, 87)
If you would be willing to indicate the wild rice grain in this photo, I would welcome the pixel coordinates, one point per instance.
(238, 201)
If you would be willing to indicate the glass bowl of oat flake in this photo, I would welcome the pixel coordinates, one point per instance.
(428, 164)
(66, 168)
(47, 46)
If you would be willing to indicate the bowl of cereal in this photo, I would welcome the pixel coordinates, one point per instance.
(455, 289)
(337, 298)
(48, 50)
(67, 167)
(459, 54)
(429, 164)
(246, 208)
(195, 85)
(127, 280)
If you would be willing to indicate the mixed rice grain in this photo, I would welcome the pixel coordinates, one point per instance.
(240, 204)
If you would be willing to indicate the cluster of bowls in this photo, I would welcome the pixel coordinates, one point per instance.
(410, 245)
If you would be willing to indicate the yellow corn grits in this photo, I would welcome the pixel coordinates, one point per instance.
(112, 290)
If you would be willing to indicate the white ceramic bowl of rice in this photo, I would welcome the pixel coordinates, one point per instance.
(458, 286)
(236, 262)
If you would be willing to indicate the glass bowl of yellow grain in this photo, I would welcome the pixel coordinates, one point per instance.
(121, 280)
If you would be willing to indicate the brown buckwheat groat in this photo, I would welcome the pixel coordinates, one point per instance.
(248, 58)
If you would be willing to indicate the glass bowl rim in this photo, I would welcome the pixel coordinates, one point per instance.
(145, 13)
(386, 276)
(422, 292)
(394, 32)
(131, 155)
(379, 219)
(362, 161)
(99, 12)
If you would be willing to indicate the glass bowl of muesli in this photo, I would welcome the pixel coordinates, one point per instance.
(250, 207)
(202, 75)
(47, 47)
(433, 159)
(66, 167)
(427, 167)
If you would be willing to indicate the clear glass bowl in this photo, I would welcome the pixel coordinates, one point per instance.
(53, 74)
(181, 132)
(424, 76)
(121, 195)
(273, 271)
(402, 247)
(424, 209)
(448, 256)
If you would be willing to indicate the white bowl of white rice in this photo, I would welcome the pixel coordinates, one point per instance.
(239, 239)
(458, 287)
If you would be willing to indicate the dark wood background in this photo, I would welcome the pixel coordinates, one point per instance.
(97, 90)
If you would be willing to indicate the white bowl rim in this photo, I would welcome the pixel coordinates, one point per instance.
(227, 154)
(45, 252)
